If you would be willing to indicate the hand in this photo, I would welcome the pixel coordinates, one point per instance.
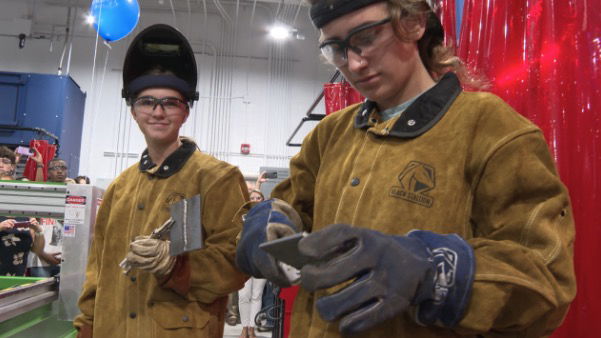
(151, 255)
(37, 157)
(266, 221)
(387, 273)
(53, 258)
(260, 181)
(50, 258)
(35, 225)
(7, 224)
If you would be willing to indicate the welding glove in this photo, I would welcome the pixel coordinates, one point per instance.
(385, 275)
(267, 221)
(151, 255)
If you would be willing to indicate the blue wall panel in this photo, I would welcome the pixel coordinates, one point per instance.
(52, 102)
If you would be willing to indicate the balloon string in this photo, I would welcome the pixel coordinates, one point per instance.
(93, 101)
(173, 13)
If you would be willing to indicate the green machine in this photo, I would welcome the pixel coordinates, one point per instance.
(26, 308)
(45, 307)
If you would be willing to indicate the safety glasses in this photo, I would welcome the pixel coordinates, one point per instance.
(361, 40)
(170, 105)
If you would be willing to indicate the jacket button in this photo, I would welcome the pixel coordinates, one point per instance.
(140, 206)
(185, 318)
(355, 182)
(133, 278)
(132, 315)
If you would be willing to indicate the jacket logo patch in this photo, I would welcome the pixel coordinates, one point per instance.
(417, 179)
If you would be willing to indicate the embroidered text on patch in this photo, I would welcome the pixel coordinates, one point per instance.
(417, 179)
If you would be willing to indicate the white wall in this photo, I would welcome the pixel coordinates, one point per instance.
(252, 89)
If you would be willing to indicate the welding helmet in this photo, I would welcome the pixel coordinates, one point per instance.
(160, 56)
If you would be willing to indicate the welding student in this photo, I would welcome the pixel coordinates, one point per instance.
(163, 296)
(431, 211)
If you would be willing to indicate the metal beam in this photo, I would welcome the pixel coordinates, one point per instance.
(32, 199)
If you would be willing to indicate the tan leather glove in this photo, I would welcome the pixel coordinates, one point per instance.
(151, 255)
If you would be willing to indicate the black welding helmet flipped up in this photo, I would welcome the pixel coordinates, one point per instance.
(160, 56)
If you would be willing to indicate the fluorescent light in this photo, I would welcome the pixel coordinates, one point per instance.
(90, 19)
(279, 32)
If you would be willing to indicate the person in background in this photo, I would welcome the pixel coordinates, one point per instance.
(82, 180)
(257, 184)
(47, 263)
(430, 211)
(162, 295)
(7, 163)
(267, 295)
(58, 170)
(38, 159)
(256, 196)
(250, 296)
(20, 235)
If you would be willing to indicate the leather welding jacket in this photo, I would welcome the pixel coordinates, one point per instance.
(191, 303)
(453, 162)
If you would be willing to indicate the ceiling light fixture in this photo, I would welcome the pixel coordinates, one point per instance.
(280, 31)
(90, 19)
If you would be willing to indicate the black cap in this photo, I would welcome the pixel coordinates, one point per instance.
(160, 47)
(323, 12)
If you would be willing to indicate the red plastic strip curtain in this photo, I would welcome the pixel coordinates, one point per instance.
(47, 150)
(447, 14)
(339, 95)
(544, 58)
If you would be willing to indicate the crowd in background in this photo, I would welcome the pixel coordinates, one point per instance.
(32, 246)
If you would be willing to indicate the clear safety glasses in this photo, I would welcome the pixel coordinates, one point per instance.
(361, 40)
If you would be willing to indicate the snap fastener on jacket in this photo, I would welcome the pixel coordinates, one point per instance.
(132, 278)
(140, 206)
(355, 182)
(185, 319)
(132, 315)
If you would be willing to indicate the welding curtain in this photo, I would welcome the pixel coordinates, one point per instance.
(47, 150)
(544, 58)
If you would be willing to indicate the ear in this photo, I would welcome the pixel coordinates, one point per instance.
(133, 113)
(413, 28)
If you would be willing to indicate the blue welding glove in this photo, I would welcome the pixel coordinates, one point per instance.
(266, 221)
(386, 275)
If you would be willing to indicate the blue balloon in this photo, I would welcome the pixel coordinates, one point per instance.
(114, 19)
